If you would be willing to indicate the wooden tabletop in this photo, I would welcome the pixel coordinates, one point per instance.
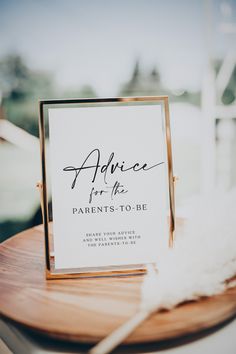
(86, 310)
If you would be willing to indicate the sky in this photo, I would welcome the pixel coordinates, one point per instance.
(97, 42)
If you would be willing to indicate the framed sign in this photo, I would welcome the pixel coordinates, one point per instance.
(107, 171)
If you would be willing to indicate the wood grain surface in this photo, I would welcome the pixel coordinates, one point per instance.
(87, 310)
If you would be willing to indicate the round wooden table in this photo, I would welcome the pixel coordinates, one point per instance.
(86, 310)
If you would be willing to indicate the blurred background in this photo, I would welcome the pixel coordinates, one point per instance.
(77, 48)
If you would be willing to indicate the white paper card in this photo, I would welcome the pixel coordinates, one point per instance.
(109, 185)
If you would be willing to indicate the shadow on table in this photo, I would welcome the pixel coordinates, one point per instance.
(41, 341)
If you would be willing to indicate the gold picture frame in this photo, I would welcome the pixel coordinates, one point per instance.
(51, 272)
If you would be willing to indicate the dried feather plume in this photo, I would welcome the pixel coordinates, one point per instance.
(203, 258)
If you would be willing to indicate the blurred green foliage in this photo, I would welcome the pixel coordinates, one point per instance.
(21, 88)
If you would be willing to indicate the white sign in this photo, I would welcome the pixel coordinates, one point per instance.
(109, 178)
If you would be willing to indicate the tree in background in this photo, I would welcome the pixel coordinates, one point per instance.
(20, 89)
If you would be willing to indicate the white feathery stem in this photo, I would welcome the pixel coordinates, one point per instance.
(115, 338)
(203, 260)
(146, 308)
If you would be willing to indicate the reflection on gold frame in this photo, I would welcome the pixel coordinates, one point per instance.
(51, 272)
